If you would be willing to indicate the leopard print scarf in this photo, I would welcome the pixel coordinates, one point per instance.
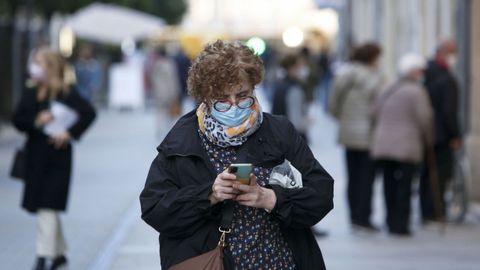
(224, 136)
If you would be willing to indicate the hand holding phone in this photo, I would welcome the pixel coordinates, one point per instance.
(242, 171)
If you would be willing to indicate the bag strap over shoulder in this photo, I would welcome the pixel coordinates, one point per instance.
(227, 215)
(387, 94)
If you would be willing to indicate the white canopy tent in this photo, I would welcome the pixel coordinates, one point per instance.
(110, 23)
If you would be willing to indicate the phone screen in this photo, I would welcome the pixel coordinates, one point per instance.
(242, 171)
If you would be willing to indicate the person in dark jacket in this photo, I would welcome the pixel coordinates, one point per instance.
(48, 157)
(442, 87)
(189, 184)
(289, 97)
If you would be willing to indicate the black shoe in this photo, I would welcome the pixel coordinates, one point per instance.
(319, 233)
(58, 262)
(401, 233)
(40, 264)
(369, 227)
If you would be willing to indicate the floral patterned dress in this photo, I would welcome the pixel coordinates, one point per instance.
(256, 241)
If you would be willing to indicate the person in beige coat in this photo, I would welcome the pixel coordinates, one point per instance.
(166, 90)
(403, 129)
(351, 100)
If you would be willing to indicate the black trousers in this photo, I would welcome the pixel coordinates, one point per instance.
(444, 158)
(361, 173)
(397, 187)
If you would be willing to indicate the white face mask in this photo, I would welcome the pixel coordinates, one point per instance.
(303, 73)
(36, 71)
(452, 61)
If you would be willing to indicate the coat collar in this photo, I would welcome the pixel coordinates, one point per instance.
(184, 140)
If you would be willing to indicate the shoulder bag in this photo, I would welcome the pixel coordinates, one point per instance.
(19, 166)
(214, 259)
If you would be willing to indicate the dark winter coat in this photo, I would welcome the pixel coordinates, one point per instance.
(47, 178)
(443, 91)
(279, 104)
(175, 198)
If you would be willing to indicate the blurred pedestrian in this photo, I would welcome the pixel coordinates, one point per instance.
(182, 63)
(326, 77)
(190, 192)
(289, 96)
(442, 87)
(88, 73)
(151, 57)
(166, 91)
(312, 78)
(403, 129)
(49, 157)
(350, 102)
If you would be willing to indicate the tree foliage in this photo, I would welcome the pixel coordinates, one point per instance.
(171, 11)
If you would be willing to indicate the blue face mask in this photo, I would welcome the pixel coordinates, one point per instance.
(233, 117)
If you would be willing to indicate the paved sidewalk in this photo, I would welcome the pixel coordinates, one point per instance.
(110, 166)
(343, 250)
(457, 249)
(104, 230)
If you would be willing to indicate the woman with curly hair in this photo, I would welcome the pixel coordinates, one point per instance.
(190, 191)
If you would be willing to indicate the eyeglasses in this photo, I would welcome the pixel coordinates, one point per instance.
(225, 105)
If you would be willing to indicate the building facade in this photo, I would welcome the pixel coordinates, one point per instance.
(418, 26)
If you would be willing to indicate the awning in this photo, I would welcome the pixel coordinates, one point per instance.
(110, 23)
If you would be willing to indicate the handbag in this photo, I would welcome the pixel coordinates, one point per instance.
(19, 166)
(213, 259)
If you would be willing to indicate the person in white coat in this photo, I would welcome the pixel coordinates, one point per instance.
(166, 91)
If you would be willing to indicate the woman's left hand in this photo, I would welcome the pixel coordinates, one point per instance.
(254, 195)
(61, 140)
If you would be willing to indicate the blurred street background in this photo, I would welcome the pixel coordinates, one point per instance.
(115, 51)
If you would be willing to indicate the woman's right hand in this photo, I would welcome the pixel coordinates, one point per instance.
(44, 117)
(222, 188)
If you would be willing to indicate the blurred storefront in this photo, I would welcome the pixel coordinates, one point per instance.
(418, 26)
(267, 19)
(473, 143)
(244, 18)
(19, 33)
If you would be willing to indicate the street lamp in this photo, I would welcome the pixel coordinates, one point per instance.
(292, 37)
(66, 41)
(257, 45)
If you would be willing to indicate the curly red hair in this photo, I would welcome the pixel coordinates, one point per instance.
(219, 67)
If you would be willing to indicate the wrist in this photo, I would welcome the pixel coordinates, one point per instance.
(270, 199)
(212, 199)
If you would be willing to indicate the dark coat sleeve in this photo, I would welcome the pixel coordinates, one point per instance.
(86, 113)
(450, 107)
(306, 206)
(25, 113)
(173, 210)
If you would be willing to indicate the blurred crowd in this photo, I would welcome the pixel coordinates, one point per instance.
(401, 129)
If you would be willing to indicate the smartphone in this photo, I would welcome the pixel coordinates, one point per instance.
(242, 171)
